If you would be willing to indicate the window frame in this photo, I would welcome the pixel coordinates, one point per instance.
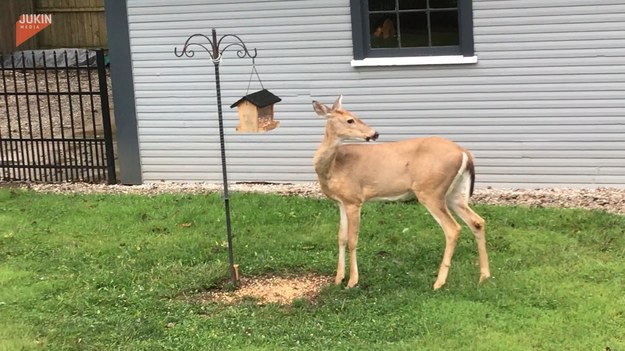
(361, 36)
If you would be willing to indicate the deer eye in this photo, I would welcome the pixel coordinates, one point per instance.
(350, 121)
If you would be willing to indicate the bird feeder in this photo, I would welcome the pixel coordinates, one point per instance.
(256, 112)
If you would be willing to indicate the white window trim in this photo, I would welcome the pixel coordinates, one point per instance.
(414, 61)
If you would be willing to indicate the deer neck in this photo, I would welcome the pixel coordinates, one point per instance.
(325, 156)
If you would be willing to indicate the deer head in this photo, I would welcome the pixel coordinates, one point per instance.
(342, 124)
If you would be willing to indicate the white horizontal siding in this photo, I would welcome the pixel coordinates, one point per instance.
(545, 105)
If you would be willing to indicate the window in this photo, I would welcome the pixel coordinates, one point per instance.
(399, 28)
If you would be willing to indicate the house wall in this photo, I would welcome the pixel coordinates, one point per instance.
(544, 106)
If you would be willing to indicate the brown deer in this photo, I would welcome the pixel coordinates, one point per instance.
(438, 172)
(386, 30)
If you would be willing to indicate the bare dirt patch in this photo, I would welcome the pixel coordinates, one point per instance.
(266, 290)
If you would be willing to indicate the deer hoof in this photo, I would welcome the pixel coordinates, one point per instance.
(338, 280)
(351, 284)
(484, 277)
(438, 285)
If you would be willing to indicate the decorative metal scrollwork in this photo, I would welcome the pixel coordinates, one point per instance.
(215, 51)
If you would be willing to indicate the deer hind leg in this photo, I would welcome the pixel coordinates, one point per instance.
(459, 204)
(438, 209)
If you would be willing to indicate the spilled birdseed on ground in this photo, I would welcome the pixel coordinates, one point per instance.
(266, 290)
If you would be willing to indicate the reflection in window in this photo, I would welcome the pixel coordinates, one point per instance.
(383, 30)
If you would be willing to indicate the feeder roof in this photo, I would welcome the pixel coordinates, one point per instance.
(260, 98)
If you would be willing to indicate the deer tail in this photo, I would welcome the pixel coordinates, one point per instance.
(471, 169)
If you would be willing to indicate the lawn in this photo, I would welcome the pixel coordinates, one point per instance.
(103, 272)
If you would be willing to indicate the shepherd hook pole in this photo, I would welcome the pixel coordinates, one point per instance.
(215, 52)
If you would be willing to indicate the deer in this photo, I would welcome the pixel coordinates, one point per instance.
(439, 173)
(385, 30)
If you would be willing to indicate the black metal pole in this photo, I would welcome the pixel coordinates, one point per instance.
(216, 60)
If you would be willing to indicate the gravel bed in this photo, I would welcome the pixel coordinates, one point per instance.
(606, 199)
(51, 116)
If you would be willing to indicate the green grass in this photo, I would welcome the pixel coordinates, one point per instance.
(99, 272)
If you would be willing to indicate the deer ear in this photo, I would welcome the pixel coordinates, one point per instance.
(337, 103)
(321, 109)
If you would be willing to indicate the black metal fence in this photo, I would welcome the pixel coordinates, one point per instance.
(55, 123)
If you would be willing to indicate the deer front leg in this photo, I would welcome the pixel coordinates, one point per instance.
(340, 270)
(353, 225)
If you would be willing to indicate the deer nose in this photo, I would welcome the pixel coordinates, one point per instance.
(374, 137)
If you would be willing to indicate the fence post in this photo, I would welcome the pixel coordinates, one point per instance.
(106, 118)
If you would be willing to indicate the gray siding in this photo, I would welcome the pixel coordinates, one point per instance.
(545, 104)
